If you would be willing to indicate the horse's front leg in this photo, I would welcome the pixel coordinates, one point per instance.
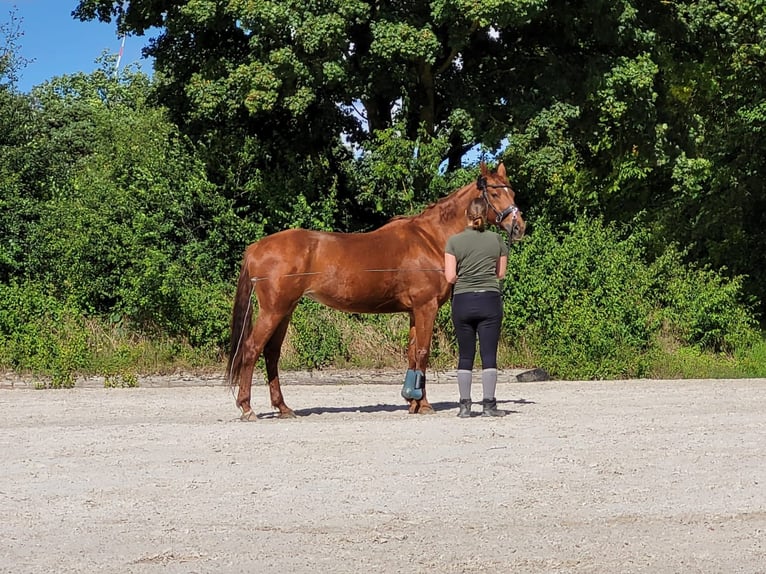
(421, 331)
(271, 353)
(421, 405)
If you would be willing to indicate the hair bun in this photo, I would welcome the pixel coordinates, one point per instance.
(476, 213)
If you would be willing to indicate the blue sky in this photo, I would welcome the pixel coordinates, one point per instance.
(60, 45)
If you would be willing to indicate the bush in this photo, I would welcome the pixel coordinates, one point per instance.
(318, 341)
(701, 308)
(579, 299)
(588, 305)
(40, 334)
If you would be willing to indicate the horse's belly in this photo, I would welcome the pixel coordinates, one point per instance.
(362, 303)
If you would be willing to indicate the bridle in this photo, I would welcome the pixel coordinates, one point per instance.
(482, 184)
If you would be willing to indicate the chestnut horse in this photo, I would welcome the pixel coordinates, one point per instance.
(396, 268)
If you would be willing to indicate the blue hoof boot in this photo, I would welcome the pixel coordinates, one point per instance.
(412, 393)
(413, 385)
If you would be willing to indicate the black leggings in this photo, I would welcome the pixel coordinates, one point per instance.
(477, 312)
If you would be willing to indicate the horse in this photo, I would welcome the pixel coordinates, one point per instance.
(396, 268)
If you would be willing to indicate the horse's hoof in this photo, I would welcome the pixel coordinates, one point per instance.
(418, 409)
(288, 415)
(248, 416)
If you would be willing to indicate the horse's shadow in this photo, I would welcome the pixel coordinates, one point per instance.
(389, 408)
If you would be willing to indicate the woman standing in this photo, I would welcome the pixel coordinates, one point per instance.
(475, 261)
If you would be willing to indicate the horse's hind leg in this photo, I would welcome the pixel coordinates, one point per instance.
(265, 326)
(271, 354)
(249, 357)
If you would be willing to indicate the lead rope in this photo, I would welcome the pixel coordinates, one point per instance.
(391, 270)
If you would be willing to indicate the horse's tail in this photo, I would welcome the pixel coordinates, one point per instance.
(241, 324)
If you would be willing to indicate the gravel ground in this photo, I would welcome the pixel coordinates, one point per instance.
(597, 477)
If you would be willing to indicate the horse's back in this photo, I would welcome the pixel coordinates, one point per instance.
(389, 245)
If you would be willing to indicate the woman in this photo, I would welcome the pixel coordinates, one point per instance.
(475, 261)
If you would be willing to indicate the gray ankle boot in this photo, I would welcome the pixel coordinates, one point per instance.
(465, 408)
(490, 408)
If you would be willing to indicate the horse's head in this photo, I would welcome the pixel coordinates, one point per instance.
(501, 201)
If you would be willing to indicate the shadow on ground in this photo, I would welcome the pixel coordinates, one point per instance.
(389, 408)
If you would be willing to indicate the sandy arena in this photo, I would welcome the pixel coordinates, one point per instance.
(598, 477)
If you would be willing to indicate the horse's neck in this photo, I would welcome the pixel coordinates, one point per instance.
(447, 216)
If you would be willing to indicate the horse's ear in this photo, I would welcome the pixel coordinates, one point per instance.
(483, 167)
(501, 170)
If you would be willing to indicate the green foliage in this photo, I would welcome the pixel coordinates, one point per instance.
(693, 363)
(701, 308)
(110, 214)
(40, 334)
(627, 127)
(25, 313)
(589, 305)
(203, 314)
(135, 230)
(318, 341)
(114, 359)
(690, 362)
(543, 158)
(444, 343)
(71, 353)
(715, 90)
(394, 329)
(397, 176)
(280, 69)
(751, 360)
(372, 341)
(607, 108)
(580, 300)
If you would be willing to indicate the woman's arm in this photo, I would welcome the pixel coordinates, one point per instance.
(450, 268)
(501, 266)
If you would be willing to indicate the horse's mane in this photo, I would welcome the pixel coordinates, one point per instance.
(428, 207)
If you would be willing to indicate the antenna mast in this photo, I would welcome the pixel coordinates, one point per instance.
(119, 54)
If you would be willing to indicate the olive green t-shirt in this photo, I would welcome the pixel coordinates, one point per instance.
(476, 253)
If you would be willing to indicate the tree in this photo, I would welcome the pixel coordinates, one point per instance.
(11, 60)
(288, 81)
(18, 209)
(126, 224)
(296, 72)
(611, 108)
(717, 107)
(661, 128)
